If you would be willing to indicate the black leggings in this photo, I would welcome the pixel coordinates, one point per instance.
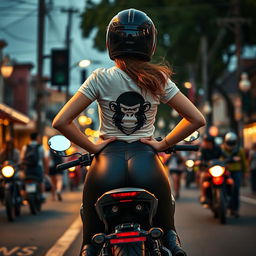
(122, 164)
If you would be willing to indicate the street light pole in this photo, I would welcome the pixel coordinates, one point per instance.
(40, 51)
(70, 12)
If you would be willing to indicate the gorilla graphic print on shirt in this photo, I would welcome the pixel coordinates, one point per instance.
(129, 112)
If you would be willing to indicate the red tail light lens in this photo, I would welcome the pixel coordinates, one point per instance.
(126, 234)
(218, 180)
(127, 240)
(72, 174)
(125, 195)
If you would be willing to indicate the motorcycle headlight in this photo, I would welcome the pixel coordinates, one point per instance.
(8, 171)
(217, 170)
(72, 169)
(189, 163)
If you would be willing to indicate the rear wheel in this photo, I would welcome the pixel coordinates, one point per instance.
(129, 249)
(32, 203)
(222, 207)
(9, 204)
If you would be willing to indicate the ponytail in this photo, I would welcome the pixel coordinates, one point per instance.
(148, 76)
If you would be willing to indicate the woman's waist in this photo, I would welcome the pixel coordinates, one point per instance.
(122, 146)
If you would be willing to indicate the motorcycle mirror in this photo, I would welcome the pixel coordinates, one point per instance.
(192, 137)
(59, 143)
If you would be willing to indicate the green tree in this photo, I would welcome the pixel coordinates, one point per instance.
(181, 25)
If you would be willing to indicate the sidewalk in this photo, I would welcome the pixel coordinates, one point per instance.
(246, 191)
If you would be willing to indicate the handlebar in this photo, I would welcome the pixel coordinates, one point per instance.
(86, 159)
(83, 160)
(182, 148)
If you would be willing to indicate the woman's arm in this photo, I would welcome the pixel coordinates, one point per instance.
(64, 123)
(191, 121)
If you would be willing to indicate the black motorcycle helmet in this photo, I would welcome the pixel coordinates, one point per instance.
(231, 139)
(131, 33)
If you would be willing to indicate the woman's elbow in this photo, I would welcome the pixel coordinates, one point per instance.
(200, 121)
(57, 123)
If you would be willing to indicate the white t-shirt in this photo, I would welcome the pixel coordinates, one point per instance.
(126, 112)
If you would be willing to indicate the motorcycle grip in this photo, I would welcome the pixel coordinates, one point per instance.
(68, 164)
(186, 147)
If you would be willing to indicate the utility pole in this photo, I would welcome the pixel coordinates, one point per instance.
(70, 12)
(40, 57)
(235, 25)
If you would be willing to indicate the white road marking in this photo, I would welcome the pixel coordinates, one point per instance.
(64, 242)
(248, 200)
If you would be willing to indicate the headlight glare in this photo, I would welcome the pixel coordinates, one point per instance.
(8, 171)
(217, 170)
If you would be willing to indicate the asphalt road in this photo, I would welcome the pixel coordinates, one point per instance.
(57, 229)
(35, 235)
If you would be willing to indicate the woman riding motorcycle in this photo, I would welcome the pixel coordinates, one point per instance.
(128, 95)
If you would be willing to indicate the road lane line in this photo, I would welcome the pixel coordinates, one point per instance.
(64, 242)
(248, 200)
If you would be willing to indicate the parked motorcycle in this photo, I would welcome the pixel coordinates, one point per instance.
(10, 189)
(127, 214)
(218, 184)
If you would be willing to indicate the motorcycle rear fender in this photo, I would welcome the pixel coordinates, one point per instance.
(143, 195)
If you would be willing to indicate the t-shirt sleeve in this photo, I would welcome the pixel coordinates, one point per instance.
(90, 88)
(171, 90)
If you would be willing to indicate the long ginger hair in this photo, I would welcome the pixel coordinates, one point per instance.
(148, 76)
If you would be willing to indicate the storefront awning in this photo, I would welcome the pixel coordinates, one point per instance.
(12, 115)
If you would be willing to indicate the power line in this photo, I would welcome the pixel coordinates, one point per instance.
(55, 27)
(14, 36)
(18, 20)
(25, 40)
(23, 2)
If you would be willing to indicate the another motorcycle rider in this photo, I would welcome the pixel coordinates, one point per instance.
(237, 165)
(176, 166)
(128, 95)
(208, 151)
(35, 161)
(56, 176)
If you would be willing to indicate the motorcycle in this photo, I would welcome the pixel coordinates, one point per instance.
(190, 172)
(218, 184)
(74, 177)
(10, 190)
(127, 213)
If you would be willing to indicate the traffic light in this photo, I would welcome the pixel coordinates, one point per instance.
(60, 67)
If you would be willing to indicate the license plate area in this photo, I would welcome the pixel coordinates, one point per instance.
(31, 187)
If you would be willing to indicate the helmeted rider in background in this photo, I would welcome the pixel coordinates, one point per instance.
(128, 95)
(237, 165)
(209, 150)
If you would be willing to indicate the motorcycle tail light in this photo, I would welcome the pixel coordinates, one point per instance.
(125, 195)
(126, 234)
(218, 180)
(206, 184)
(8, 171)
(230, 181)
(217, 170)
(72, 175)
(128, 240)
